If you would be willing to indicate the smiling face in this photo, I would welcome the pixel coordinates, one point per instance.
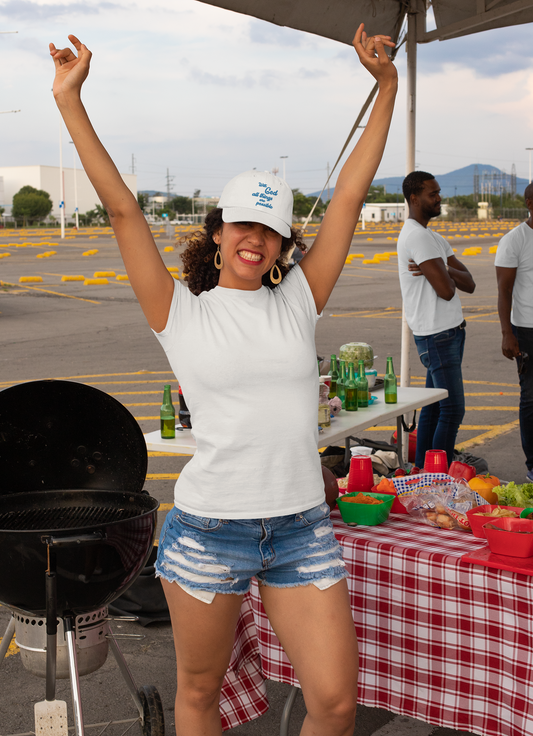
(249, 250)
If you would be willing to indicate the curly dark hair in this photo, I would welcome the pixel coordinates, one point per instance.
(198, 257)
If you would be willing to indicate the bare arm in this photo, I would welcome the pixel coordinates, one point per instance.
(151, 282)
(324, 262)
(506, 278)
(460, 274)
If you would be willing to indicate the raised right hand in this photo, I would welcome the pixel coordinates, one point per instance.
(71, 70)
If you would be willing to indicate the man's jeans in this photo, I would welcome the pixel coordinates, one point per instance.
(524, 335)
(442, 355)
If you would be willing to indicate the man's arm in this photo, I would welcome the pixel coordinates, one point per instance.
(460, 274)
(506, 278)
(434, 269)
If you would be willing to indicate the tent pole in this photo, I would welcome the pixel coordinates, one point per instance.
(405, 369)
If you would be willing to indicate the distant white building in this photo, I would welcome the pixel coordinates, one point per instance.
(13, 178)
(383, 212)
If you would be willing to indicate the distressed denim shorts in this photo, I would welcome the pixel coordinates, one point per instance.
(222, 555)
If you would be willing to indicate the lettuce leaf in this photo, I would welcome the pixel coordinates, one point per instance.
(515, 495)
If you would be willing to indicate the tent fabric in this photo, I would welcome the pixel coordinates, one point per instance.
(339, 19)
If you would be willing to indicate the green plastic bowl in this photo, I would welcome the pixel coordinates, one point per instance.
(365, 514)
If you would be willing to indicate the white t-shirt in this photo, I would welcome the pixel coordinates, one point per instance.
(246, 361)
(515, 250)
(425, 311)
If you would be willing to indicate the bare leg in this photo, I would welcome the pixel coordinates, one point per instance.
(203, 637)
(315, 627)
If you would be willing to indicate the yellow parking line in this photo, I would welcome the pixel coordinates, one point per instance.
(12, 649)
(157, 403)
(169, 454)
(493, 393)
(492, 408)
(162, 476)
(166, 506)
(491, 434)
(55, 293)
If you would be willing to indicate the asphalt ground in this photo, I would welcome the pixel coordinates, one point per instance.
(96, 333)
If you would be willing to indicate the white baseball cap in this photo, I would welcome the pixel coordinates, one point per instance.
(258, 196)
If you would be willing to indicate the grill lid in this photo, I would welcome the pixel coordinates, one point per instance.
(56, 435)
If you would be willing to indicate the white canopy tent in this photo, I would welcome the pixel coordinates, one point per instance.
(338, 19)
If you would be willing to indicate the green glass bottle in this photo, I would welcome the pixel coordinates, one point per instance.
(167, 415)
(334, 374)
(362, 386)
(350, 390)
(390, 384)
(340, 382)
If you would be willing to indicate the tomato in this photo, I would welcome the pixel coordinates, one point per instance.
(399, 472)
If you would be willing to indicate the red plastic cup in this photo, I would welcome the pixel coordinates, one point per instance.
(436, 461)
(361, 477)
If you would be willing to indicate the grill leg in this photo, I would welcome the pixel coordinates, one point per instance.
(287, 710)
(6, 640)
(126, 674)
(74, 676)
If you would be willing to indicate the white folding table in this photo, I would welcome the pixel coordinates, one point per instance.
(343, 426)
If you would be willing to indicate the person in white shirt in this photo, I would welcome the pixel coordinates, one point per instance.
(514, 272)
(251, 503)
(430, 275)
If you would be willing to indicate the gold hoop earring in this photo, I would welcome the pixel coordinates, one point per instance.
(275, 279)
(218, 259)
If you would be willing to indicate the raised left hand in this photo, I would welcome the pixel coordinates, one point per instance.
(372, 55)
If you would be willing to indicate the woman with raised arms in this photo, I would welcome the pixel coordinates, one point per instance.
(240, 338)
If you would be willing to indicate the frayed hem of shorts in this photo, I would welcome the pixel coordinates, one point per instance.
(304, 583)
(198, 586)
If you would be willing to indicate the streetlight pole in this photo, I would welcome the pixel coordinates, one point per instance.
(61, 181)
(283, 158)
(75, 187)
(529, 178)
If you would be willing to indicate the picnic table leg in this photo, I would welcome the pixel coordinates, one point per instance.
(399, 441)
(287, 710)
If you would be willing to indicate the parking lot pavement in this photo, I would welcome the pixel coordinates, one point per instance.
(96, 333)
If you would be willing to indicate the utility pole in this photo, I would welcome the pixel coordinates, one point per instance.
(169, 181)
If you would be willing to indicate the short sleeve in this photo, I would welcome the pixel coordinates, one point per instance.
(296, 291)
(180, 313)
(422, 246)
(506, 255)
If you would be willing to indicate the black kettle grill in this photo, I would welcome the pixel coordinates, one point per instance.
(76, 529)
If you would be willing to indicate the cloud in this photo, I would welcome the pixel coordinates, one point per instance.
(488, 54)
(25, 10)
(312, 73)
(261, 31)
(265, 78)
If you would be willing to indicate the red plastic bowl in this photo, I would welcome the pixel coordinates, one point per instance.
(512, 538)
(397, 506)
(477, 522)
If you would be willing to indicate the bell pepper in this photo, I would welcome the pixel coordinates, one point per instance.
(460, 470)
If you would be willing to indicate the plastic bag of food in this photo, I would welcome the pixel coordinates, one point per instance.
(353, 352)
(441, 503)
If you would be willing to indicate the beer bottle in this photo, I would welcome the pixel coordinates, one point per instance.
(362, 386)
(350, 390)
(333, 387)
(167, 415)
(390, 385)
(340, 382)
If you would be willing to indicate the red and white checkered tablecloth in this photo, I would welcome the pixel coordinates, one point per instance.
(441, 640)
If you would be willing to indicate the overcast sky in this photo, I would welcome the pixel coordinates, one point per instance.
(207, 93)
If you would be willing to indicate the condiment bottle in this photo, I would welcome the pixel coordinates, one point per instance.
(333, 388)
(184, 413)
(390, 384)
(362, 386)
(167, 415)
(350, 390)
(324, 413)
(340, 382)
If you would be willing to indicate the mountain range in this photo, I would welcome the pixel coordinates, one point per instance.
(459, 181)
